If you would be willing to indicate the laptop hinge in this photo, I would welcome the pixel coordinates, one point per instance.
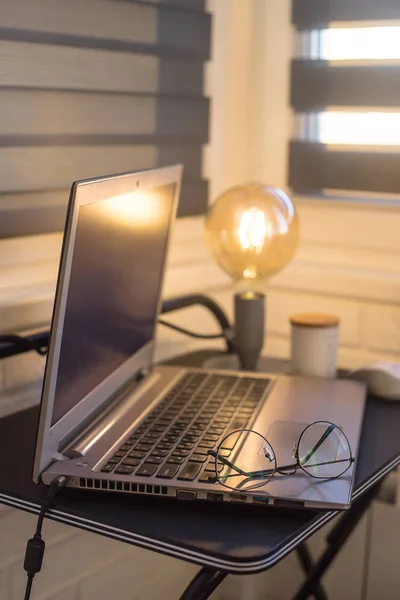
(59, 456)
(82, 443)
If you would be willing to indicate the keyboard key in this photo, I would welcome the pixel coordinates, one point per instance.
(200, 426)
(124, 469)
(230, 443)
(202, 451)
(146, 470)
(114, 460)
(190, 438)
(159, 452)
(210, 466)
(190, 471)
(168, 471)
(182, 453)
(119, 454)
(224, 452)
(216, 430)
(176, 460)
(238, 423)
(185, 445)
(210, 437)
(151, 436)
(195, 431)
(199, 458)
(137, 454)
(170, 438)
(143, 447)
(177, 432)
(132, 462)
(108, 467)
(206, 478)
(154, 460)
(165, 420)
(126, 447)
(206, 444)
(148, 440)
(164, 446)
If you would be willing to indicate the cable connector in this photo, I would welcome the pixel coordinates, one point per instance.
(36, 546)
(34, 555)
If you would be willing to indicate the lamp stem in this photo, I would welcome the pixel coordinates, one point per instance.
(249, 328)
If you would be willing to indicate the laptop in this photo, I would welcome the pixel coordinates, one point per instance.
(112, 420)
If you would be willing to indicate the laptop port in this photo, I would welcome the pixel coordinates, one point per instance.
(215, 497)
(260, 500)
(237, 498)
(186, 494)
(289, 503)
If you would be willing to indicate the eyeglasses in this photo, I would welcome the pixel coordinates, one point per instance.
(322, 451)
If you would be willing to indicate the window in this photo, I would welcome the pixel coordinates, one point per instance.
(365, 127)
(345, 91)
(97, 88)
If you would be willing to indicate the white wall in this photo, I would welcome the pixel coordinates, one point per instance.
(347, 263)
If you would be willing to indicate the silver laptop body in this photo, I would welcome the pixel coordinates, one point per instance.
(110, 419)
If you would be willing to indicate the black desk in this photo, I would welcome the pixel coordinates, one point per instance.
(223, 538)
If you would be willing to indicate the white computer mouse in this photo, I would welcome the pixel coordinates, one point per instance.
(382, 379)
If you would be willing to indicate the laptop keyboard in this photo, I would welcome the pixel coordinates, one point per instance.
(194, 417)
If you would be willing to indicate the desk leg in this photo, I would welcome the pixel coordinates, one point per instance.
(203, 584)
(335, 540)
(307, 564)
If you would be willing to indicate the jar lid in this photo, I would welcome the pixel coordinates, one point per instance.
(314, 320)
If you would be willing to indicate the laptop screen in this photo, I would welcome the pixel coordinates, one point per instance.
(113, 292)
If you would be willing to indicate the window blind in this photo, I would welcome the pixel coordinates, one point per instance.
(94, 88)
(357, 79)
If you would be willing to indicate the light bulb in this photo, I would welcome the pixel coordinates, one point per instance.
(252, 231)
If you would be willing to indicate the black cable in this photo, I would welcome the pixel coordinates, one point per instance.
(23, 344)
(35, 547)
(12, 344)
(180, 302)
(203, 336)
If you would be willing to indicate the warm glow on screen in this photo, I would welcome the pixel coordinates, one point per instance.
(140, 207)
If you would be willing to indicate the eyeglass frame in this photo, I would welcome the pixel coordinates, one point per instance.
(294, 468)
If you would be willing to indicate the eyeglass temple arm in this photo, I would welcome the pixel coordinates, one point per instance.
(291, 467)
(226, 462)
(321, 440)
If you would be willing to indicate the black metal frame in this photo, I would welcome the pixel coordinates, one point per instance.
(207, 580)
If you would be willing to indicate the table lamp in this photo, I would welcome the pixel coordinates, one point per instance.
(252, 232)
